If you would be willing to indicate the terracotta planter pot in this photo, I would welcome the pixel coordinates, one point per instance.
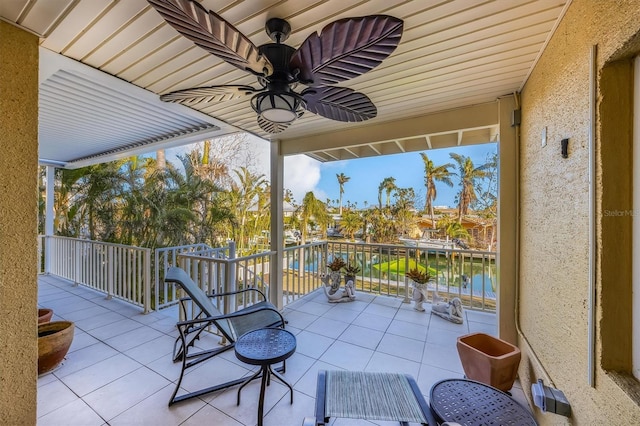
(489, 360)
(44, 315)
(54, 339)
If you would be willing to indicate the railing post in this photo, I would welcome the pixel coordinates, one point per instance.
(230, 278)
(231, 273)
(78, 262)
(147, 281)
(110, 272)
(46, 247)
(407, 299)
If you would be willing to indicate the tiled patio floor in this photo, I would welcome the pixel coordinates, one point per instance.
(119, 370)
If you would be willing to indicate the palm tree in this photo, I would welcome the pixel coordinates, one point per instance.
(342, 179)
(403, 211)
(351, 223)
(453, 228)
(432, 174)
(312, 208)
(246, 197)
(468, 175)
(388, 184)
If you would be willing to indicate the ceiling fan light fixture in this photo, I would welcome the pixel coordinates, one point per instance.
(277, 107)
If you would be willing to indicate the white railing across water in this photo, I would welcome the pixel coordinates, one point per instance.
(125, 272)
(302, 266)
(467, 274)
(117, 270)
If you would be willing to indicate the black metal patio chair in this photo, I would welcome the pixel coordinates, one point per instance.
(231, 326)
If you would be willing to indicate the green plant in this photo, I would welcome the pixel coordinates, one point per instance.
(418, 276)
(336, 264)
(351, 270)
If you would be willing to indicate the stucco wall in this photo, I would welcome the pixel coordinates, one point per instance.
(18, 221)
(554, 206)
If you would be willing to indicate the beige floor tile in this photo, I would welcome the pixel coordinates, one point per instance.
(118, 396)
(286, 414)
(209, 415)
(408, 329)
(85, 357)
(312, 344)
(99, 374)
(347, 356)
(52, 396)
(375, 322)
(153, 410)
(76, 413)
(361, 336)
(133, 338)
(152, 350)
(328, 327)
(401, 347)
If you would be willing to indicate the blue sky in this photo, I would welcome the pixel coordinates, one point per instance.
(303, 174)
(367, 173)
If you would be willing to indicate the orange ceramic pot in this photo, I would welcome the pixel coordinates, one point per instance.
(54, 340)
(489, 360)
(44, 315)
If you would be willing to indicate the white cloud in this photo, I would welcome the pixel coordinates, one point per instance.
(301, 175)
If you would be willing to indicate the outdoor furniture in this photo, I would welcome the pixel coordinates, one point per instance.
(473, 403)
(369, 396)
(231, 326)
(265, 347)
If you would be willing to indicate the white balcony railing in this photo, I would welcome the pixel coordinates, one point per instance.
(125, 272)
(166, 294)
(117, 270)
(468, 274)
(217, 275)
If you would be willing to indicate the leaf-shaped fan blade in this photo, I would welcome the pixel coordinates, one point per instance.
(207, 94)
(339, 103)
(212, 33)
(271, 127)
(346, 49)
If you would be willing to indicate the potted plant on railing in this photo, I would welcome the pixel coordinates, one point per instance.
(419, 281)
(334, 275)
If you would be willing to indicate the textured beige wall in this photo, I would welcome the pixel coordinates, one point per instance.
(18, 219)
(554, 208)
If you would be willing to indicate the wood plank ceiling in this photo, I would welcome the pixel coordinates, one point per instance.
(453, 53)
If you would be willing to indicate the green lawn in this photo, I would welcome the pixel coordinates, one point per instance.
(398, 267)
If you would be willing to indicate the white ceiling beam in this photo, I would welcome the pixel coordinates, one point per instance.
(476, 116)
(400, 145)
(374, 149)
(352, 152)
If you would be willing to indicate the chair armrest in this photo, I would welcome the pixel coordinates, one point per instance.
(244, 290)
(237, 314)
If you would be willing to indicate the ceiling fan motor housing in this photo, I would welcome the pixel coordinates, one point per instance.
(278, 29)
(279, 103)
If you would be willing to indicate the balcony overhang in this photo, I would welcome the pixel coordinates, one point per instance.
(87, 116)
(457, 127)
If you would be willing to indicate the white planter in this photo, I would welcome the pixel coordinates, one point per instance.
(419, 294)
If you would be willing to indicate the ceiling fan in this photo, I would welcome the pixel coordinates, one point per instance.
(343, 50)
